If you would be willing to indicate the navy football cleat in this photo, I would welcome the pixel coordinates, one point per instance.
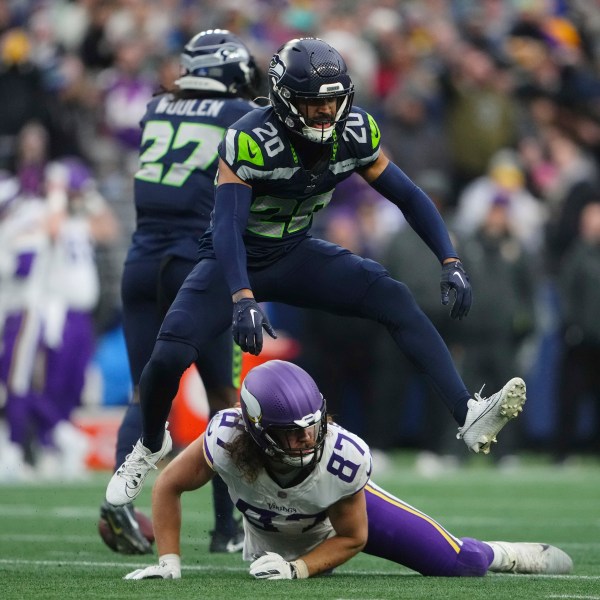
(120, 530)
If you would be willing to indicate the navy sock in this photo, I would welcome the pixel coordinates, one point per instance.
(129, 432)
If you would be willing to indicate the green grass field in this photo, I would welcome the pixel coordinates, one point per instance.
(49, 546)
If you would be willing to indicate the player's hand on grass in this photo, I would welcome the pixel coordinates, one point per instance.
(168, 567)
(274, 566)
(454, 278)
(248, 323)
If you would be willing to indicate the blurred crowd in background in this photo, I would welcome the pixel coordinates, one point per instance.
(491, 106)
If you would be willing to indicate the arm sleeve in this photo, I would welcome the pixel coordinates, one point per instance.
(417, 208)
(232, 208)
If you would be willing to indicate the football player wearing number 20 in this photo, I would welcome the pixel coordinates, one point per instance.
(302, 484)
(278, 166)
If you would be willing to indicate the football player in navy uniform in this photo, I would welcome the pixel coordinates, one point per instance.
(174, 197)
(278, 166)
(302, 484)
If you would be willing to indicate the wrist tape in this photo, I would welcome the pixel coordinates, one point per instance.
(299, 569)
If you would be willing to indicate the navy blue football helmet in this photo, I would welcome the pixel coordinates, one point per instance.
(307, 69)
(280, 404)
(216, 60)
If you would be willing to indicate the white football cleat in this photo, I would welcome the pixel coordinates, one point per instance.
(126, 484)
(527, 557)
(487, 416)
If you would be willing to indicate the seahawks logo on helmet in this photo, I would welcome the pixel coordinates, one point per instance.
(276, 68)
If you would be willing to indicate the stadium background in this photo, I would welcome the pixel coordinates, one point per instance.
(491, 106)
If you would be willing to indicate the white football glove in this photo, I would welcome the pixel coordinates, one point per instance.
(273, 566)
(168, 567)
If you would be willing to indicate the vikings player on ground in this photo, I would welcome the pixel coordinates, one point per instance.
(174, 196)
(302, 485)
(278, 166)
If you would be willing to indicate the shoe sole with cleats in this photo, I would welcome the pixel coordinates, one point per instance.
(507, 406)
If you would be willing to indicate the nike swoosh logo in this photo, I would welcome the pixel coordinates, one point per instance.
(252, 313)
(131, 487)
(457, 273)
(116, 529)
(377, 133)
(251, 154)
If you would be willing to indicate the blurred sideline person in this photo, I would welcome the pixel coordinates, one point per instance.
(579, 377)
(73, 293)
(174, 196)
(302, 484)
(279, 165)
(50, 289)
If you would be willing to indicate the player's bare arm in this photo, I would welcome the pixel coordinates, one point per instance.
(188, 472)
(349, 519)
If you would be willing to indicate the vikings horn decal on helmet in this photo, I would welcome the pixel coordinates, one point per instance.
(307, 69)
(218, 61)
(285, 413)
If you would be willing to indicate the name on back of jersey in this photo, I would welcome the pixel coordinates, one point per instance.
(189, 107)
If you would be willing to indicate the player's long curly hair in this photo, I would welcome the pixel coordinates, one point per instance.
(246, 456)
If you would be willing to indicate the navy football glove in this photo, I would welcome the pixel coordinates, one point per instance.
(248, 322)
(454, 277)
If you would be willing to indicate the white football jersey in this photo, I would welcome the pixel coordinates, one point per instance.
(74, 281)
(290, 521)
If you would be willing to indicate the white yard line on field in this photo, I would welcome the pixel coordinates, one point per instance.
(120, 564)
(572, 597)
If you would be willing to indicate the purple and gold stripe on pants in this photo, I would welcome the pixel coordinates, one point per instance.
(401, 533)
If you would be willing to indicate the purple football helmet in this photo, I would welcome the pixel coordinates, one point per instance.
(79, 177)
(72, 174)
(285, 413)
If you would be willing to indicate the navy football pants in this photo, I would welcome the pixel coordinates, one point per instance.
(315, 274)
